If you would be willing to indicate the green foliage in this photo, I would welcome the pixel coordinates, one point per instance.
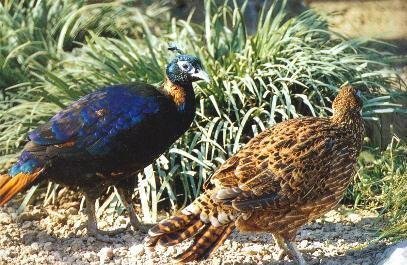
(33, 34)
(288, 68)
(381, 184)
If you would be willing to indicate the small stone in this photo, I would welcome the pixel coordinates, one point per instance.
(87, 256)
(354, 218)
(151, 254)
(105, 253)
(216, 261)
(29, 237)
(137, 250)
(72, 211)
(253, 250)
(43, 237)
(5, 218)
(56, 255)
(34, 247)
(26, 225)
(303, 244)
(4, 253)
(48, 246)
(35, 214)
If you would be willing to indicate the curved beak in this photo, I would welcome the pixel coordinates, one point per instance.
(201, 75)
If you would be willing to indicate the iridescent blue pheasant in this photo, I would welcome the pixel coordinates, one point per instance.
(105, 137)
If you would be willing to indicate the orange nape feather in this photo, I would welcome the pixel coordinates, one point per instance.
(4, 179)
(10, 186)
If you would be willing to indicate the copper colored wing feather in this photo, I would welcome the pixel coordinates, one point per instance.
(282, 165)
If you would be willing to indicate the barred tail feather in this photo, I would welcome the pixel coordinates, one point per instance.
(200, 220)
(181, 235)
(167, 227)
(206, 242)
(10, 186)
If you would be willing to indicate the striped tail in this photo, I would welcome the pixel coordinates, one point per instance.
(201, 220)
(10, 186)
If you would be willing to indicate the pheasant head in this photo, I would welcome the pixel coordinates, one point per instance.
(347, 101)
(347, 108)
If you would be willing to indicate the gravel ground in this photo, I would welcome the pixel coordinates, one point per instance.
(53, 235)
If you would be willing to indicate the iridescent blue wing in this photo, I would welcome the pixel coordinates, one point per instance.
(92, 122)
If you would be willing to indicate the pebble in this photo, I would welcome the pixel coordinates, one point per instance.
(48, 246)
(29, 237)
(34, 247)
(87, 256)
(354, 218)
(106, 253)
(137, 250)
(35, 214)
(5, 218)
(253, 250)
(72, 211)
(26, 225)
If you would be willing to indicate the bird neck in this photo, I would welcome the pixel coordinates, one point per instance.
(352, 122)
(182, 95)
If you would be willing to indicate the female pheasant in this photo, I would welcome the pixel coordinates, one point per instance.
(281, 179)
(106, 137)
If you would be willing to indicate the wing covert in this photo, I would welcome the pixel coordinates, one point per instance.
(94, 120)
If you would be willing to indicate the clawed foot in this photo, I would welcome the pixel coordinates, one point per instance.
(105, 236)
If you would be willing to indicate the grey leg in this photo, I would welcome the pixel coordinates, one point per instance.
(125, 196)
(295, 252)
(283, 249)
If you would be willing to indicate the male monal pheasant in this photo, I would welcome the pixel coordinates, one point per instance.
(105, 137)
(286, 176)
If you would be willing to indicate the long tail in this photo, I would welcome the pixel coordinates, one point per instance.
(10, 186)
(204, 220)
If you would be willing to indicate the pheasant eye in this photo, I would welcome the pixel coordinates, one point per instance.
(185, 66)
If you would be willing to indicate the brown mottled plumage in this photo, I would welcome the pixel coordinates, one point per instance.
(284, 177)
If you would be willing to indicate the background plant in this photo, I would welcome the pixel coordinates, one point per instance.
(288, 68)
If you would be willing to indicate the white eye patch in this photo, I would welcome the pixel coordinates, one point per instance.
(184, 66)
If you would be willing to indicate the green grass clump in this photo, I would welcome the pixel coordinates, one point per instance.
(288, 68)
(34, 34)
(381, 185)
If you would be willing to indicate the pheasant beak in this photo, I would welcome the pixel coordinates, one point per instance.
(201, 75)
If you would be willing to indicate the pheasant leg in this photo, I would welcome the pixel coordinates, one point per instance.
(92, 223)
(283, 249)
(125, 196)
(296, 254)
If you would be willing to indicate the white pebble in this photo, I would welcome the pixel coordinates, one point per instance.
(105, 253)
(137, 250)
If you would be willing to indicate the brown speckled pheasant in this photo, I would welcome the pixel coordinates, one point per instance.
(284, 177)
